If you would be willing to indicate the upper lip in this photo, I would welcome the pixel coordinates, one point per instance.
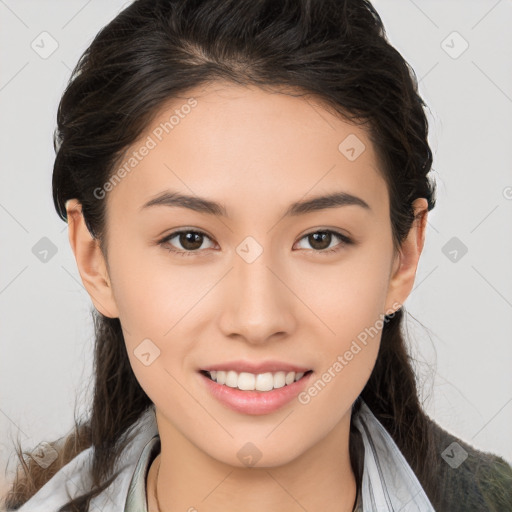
(256, 367)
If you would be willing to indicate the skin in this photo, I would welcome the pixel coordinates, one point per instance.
(255, 152)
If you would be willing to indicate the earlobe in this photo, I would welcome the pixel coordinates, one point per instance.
(406, 262)
(90, 261)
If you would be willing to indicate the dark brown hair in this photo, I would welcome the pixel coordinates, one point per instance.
(334, 50)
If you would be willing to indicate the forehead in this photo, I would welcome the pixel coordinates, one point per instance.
(245, 147)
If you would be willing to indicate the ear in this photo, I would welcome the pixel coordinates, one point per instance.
(406, 261)
(90, 261)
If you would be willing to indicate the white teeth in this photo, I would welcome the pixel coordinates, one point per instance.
(231, 379)
(279, 379)
(264, 382)
(250, 382)
(246, 381)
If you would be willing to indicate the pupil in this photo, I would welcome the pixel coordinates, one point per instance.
(189, 239)
(322, 235)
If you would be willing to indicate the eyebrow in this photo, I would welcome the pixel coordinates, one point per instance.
(203, 205)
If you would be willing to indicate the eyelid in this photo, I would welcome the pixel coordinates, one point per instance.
(335, 231)
(165, 241)
(344, 240)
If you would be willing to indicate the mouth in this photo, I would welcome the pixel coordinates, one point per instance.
(262, 382)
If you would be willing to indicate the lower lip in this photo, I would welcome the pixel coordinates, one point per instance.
(255, 402)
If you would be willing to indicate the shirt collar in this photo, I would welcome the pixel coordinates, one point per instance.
(388, 481)
(136, 498)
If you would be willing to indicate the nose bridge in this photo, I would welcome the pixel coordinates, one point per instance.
(258, 304)
(254, 280)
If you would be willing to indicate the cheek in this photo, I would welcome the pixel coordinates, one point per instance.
(156, 303)
(148, 290)
(158, 297)
(342, 295)
(348, 304)
(352, 322)
(349, 294)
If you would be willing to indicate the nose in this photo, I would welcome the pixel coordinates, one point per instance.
(258, 304)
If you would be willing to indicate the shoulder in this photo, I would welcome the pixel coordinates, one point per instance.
(470, 479)
(74, 479)
(70, 481)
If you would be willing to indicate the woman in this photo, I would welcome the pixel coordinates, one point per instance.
(246, 187)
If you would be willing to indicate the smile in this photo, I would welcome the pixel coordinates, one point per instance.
(246, 381)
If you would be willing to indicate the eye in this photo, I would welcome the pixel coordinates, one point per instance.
(192, 240)
(189, 239)
(321, 240)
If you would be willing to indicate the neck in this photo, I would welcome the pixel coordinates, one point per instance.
(320, 479)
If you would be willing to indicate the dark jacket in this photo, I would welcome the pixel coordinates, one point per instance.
(470, 480)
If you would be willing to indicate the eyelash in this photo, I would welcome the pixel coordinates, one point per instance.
(344, 241)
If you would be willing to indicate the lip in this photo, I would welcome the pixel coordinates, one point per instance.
(254, 367)
(255, 402)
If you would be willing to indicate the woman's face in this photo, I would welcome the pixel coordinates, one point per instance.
(265, 280)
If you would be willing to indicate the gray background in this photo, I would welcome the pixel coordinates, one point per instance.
(460, 311)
